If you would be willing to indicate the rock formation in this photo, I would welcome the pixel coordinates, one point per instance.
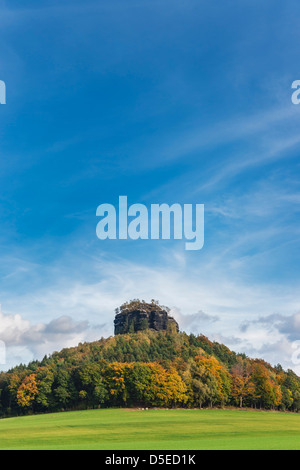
(139, 315)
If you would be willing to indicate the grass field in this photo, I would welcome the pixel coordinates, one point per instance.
(153, 430)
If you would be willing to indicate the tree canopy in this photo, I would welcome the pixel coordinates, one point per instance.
(147, 369)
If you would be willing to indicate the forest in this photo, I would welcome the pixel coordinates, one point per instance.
(147, 369)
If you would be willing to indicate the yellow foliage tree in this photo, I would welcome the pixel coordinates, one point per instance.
(27, 391)
(220, 375)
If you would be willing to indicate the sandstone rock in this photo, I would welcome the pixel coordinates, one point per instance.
(138, 316)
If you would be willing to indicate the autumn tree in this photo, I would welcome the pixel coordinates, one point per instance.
(267, 391)
(27, 391)
(217, 378)
(114, 376)
(242, 385)
(202, 385)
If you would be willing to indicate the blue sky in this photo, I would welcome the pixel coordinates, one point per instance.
(162, 101)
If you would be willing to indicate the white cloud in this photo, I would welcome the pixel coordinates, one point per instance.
(24, 341)
(68, 312)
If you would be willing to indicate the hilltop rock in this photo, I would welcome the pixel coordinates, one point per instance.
(139, 315)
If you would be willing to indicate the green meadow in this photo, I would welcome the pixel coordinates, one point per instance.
(179, 429)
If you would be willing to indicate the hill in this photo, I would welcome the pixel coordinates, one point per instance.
(147, 369)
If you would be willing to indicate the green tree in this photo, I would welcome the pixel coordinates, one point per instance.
(64, 390)
(45, 379)
(92, 385)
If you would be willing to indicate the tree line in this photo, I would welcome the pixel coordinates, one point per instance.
(147, 369)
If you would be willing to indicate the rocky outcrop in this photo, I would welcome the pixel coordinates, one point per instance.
(139, 316)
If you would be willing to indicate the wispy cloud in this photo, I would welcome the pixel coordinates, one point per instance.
(237, 129)
(277, 149)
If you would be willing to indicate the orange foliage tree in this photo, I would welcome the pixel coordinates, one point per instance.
(242, 385)
(147, 383)
(27, 391)
(267, 391)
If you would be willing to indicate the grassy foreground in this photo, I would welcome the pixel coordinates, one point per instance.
(153, 430)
